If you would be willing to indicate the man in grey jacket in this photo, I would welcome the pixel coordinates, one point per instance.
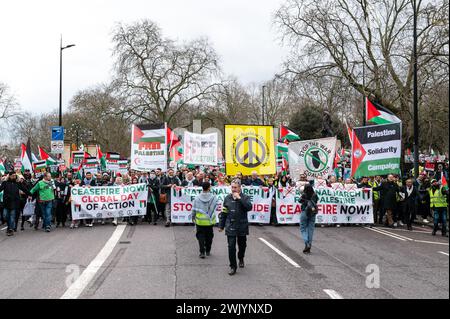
(235, 221)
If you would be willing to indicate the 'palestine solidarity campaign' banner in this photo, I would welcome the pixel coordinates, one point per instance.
(109, 201)
(376, 150)
(149, 147)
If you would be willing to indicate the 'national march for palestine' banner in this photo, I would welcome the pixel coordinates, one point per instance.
(109, 201)
(149, 147)
(314, 158)
(183, 198)
(336, 205)
(249, 148)
(200, 149)
(376, 150)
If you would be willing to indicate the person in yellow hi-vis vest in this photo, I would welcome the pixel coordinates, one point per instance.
(204, 217)
(438, 205)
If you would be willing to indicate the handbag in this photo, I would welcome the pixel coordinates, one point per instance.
(28, 210)
(163, 198)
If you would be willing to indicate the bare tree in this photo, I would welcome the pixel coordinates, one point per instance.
(158, 77)
(340, 38)
(9, 108)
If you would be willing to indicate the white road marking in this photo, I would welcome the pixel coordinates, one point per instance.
(431, 242)
(75, 290)
(403, 238)
(383, 233)
(441, 252)
(333, 294)
(391, 233)
(279, 252)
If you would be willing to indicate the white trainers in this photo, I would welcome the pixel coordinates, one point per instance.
(395, 224)
(425, 221)
(114, 222)
(401, 224)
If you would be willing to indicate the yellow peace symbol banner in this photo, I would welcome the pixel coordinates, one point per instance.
(249, 148)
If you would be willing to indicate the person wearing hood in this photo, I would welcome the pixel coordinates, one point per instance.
(204, 217)
(438, 205)
(154, 185)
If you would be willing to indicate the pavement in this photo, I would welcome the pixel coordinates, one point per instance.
(146, 261)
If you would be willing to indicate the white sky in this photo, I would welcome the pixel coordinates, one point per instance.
(242, 33)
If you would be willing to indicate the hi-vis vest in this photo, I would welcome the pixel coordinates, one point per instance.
(437, 199)
(203, 219)
(376, 195)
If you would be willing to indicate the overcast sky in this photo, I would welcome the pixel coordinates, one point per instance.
(242, 33)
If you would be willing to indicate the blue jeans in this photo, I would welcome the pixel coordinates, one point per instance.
(46, 208)
(440, 213)
(10, 216)
(307, 227)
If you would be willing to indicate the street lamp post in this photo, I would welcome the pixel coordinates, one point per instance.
(263, 103)
(415, 102)
(61, 48)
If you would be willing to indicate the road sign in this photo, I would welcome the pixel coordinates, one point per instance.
(57, 133)
(57, 147)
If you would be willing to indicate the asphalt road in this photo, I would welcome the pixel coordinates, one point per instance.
(147, 261)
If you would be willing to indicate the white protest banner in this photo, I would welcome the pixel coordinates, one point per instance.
(314, 158)
(200, 149)
(109, 201)
(123, 167)
(149, 147)
(344, 205)
(339, 204)
(288, 207)
(183, 198)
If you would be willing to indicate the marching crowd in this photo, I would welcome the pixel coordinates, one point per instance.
(396, 201)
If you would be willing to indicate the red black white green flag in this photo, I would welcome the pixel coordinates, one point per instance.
(288, 135)
(376, 150)
(378, 114)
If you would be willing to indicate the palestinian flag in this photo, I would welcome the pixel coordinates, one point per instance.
(349, 131)
(112, 156)
(40, 166)
(102, 158)
(287, 135)
(282, 150)
(378, 114)
(444, 182)
(25, 157)
(2, 167)
(77, 159)
(45, 157)
(172, 138)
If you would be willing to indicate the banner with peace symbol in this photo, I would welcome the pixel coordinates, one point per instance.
(249, 148)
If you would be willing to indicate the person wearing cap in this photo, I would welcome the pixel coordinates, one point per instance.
(11, 200)
(438, 204)
(204, 217)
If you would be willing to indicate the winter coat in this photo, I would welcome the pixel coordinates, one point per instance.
(234, 216)
(11, 195)
(388, 196)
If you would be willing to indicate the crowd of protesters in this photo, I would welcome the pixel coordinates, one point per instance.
(398, 202)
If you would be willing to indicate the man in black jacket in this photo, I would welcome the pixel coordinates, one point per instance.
(11, 200)
(389, 190)
(410, 197)
(153, 197)
(168, 182)
(235, 222)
